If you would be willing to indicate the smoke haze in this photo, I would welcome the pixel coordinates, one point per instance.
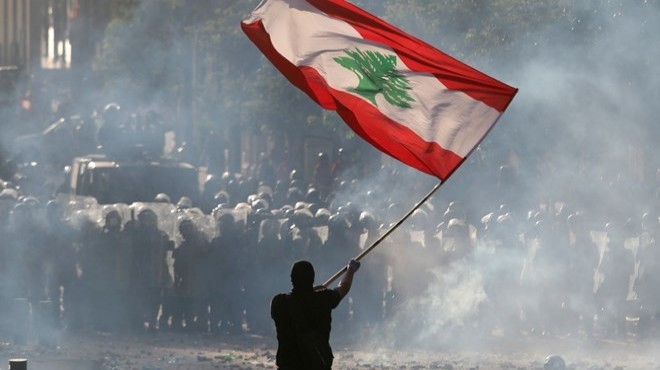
(579, 138)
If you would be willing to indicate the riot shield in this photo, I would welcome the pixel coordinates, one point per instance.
(166, 213)
(239, 215)
(88, 206)
(123, 209)
(204, 224)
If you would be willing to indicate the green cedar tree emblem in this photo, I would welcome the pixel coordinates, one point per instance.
(378, 75)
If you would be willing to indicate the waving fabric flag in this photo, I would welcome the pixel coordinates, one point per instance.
(402, 95)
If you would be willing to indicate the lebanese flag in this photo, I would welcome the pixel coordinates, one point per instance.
(403, 96)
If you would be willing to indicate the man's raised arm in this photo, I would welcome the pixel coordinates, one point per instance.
(347, 280)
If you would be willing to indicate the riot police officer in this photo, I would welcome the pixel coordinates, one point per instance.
(149, 271)
(189, 285)
(226, 278)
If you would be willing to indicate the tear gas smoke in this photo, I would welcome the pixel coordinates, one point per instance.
(579, 139)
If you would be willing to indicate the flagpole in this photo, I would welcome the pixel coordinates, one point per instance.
(385, 235)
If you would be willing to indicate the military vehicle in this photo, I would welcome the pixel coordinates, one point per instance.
(113, 181)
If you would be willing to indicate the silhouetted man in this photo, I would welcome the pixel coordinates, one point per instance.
(303, 319)
(150, 274)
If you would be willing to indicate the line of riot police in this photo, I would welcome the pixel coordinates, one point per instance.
(166, 266)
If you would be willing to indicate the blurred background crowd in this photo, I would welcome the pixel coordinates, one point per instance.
(210, 262)
(549, 228)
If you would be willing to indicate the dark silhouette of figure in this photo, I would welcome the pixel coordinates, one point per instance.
(149, 271)
(303, 318)
(227, 277)
(113, 134)
(105, 266)
(265, 171)
(302, 239)
(340, 165)
(26, 270)
(189, 283)
(59, 259)
(151, 129)
(212, 186)
(270, 247)
(323, 175)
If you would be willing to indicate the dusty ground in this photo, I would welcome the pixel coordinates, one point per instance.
(97, 351)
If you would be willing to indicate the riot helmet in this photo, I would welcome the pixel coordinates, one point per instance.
(313, 196)
(162, 198)
(147, 218)
(186, 228)
(113, 220)
(111, 113)
(302, 218)
(184, 203)
(554, 362)
(322, 216)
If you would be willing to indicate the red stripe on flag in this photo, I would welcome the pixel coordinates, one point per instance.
(314, 87)
(393, 138)
(366, 120)
(420, 56)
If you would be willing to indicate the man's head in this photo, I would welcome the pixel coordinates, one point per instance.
(186, 228)
(113, 220)
(147, 218)
(302, 275)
